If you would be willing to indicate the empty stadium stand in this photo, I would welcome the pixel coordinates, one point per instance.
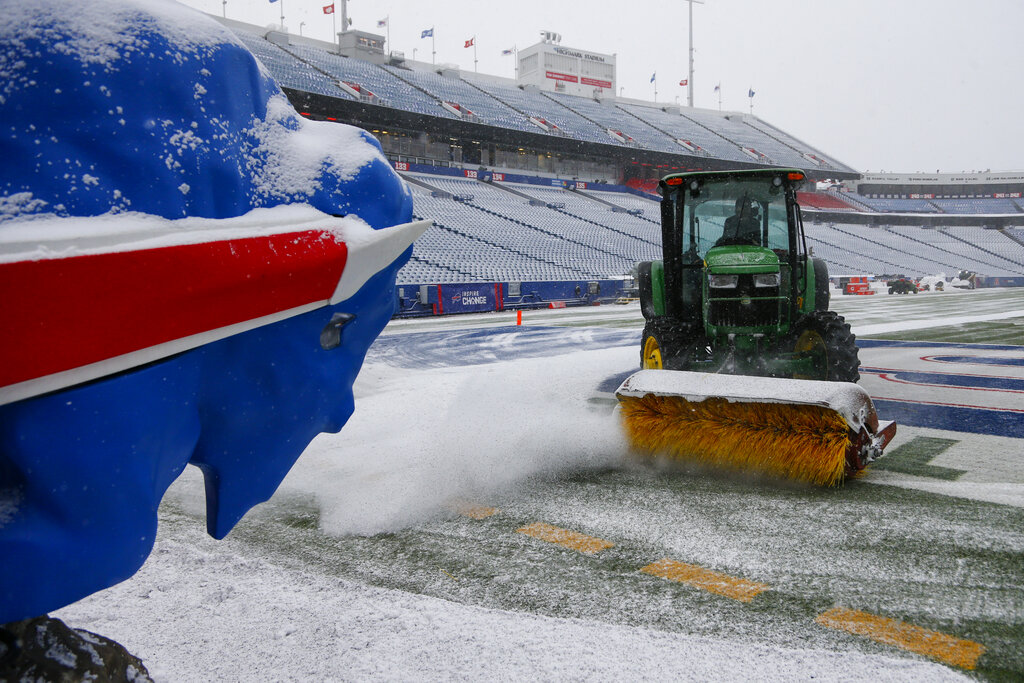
(824, 200)
(504, 228)
(710, 136)
(516, 231)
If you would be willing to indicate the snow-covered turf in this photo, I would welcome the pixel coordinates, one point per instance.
(360, 568)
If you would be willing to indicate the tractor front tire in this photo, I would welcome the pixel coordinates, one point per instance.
(826, 338)
(666, 344)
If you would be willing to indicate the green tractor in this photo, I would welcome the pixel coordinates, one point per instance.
(737, 291)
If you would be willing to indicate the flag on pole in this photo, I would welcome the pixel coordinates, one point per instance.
(684, 81)
(329, 9)
(428, 33)
(508, 52)
(653, 75)
(750, 92)
(381, 23)
(273, 0)
(718, 87)
(469, 43)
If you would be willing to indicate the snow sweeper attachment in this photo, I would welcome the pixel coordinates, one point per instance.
(804, 430)
(743, 364)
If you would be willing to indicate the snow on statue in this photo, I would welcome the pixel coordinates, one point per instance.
(189, 273)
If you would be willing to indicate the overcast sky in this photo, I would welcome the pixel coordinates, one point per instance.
(893, 85)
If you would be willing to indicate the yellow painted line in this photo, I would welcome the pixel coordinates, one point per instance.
(945, 648)
(565, 538)
(474, 511)
(699, 577)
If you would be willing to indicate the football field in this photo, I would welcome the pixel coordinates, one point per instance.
(481, 517)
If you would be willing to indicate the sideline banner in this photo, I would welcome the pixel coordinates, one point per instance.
(469, 298)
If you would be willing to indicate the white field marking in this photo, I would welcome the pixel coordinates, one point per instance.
(993, 467)
(903, 325)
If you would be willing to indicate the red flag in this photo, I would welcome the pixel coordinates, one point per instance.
(469, 43)
(329, 9)
(684, 81)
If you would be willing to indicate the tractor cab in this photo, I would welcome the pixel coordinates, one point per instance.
(736, 286)
(743, 233)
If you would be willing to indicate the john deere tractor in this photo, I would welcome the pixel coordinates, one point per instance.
(736, 290)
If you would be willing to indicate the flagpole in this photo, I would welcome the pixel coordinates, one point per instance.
(388, 24)
(334, 21)
(689, 87)
(282, 15)
(433, 47)
(474, 54)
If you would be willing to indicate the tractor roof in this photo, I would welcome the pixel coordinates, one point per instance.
(677, 179)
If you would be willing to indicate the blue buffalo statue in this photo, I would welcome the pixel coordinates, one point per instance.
(190, 272)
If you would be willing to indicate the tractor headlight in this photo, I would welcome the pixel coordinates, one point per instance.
(723, 281)
(766, 280)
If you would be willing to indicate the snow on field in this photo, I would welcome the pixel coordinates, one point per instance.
(200, 611)
(419, 440)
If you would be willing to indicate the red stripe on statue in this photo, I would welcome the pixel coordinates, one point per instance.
(61, 314)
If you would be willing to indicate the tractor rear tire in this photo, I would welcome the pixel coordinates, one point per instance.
(826, 337)
(666, 344)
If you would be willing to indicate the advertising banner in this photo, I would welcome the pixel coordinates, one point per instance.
(554, 75)
(469, 298)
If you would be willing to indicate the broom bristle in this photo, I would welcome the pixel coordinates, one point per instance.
(799, 442)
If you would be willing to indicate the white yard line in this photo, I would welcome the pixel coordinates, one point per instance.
(903, 325)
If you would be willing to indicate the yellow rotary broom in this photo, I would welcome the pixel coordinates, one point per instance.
(813, 431)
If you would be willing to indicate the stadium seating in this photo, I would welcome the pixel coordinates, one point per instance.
(959, 254)
(288, 71)
(582, 118)
(558, 119)
(898, 205)
(976, 206)
(631, 130)
(389, 90)
(483, 107)
(829, 201)
(518, 231)
(687, 128)
(733, 128)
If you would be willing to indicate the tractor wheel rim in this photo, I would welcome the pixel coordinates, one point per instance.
(811, 344)
(652, 354)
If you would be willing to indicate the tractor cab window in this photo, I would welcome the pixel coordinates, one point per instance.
(734, 212)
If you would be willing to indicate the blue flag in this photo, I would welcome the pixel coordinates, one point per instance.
(653, 75)
(750, 93)
(429, 33)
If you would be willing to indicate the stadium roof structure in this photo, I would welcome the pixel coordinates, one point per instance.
(417, 96)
